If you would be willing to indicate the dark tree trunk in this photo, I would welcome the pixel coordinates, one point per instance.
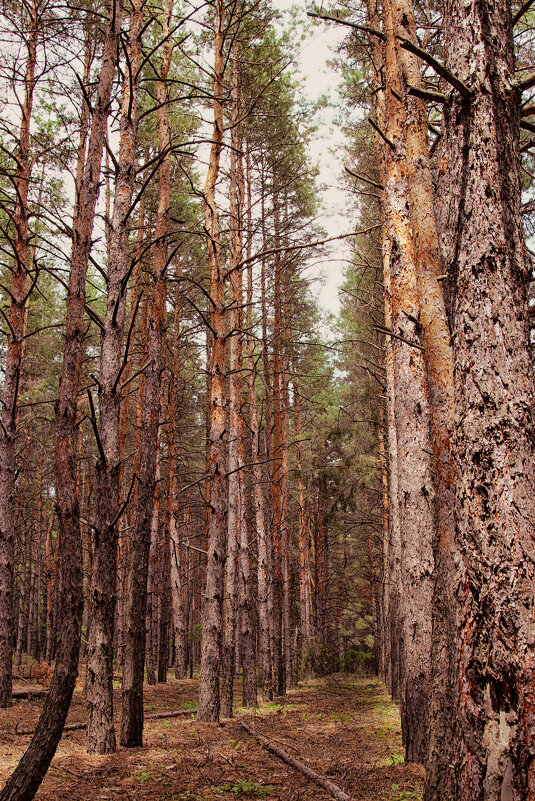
(99, 683)
(13, 366)
(27, 777)
(138, 557)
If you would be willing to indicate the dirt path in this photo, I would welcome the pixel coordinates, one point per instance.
(345, 729)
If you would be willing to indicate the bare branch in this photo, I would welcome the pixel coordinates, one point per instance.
(363, 28)
(439, 68)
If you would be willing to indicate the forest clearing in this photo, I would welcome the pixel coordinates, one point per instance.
(345, 729)
(267, 400)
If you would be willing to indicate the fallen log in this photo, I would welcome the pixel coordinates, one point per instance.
(307, 771)
(158, 716)
(29, 693)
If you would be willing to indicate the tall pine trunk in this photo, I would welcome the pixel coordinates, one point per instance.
(14, 364)
(25, 780)
(138, 556)
(99, 683)
(209, 700)
(490, 720)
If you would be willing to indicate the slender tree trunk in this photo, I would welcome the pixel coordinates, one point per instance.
(269, 517)
(14, 364)
(51, 563)
(151, 612)
(177, 594)
(136, 601)
(245, 618)
(164, 592)
(235, 519)
(286, 538)
(25, 780)
(277, 479)
(99, 683)
(258, 473)
(208, 707)
(305, 599)
(136, 303)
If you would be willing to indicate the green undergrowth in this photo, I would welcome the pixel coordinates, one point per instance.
(396, 794)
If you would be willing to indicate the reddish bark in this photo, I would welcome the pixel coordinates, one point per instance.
(136, 599)
(208, 708)
(14, 363)
(25, 780)
(99, 683)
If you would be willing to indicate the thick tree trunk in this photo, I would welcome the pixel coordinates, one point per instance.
(415, 478)
(99, 683)
(208, 707)
(437, 356)
(492, 726)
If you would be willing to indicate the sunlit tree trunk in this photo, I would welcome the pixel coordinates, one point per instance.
(208, 707)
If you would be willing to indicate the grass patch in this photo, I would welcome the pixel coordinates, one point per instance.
(141, 775)
(244, 787)
(396, 794)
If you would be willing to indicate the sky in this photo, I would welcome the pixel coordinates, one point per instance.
(327, 146)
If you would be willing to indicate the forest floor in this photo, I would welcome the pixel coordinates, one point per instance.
(344, 728)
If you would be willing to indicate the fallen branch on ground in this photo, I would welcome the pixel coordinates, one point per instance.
(327, 784)
(158, 716)
(29, 693)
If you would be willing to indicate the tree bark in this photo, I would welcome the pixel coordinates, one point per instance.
(492, 728)
(24, 782)
(236, 499)
(103, 593)
(175, 552)
(209, 701)
(14, 363)
(258, 473)
(136, 601)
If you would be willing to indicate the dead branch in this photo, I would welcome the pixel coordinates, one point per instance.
(322, 781)
(439, 68)
(363, 28)
(79, 726)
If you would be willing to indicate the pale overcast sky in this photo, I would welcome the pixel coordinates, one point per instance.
(327, 147)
